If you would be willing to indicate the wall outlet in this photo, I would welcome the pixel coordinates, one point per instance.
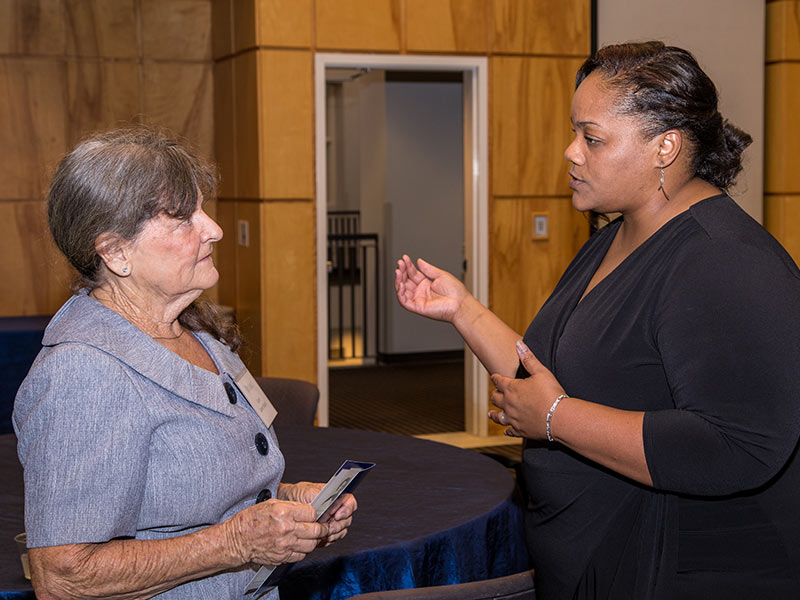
(540, 226)
(243, 229)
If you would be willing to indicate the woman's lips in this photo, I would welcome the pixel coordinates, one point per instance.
(575, 182)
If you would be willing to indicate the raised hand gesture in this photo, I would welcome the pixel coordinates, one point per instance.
(427, 290)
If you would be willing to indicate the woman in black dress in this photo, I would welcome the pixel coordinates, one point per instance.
(658, 388)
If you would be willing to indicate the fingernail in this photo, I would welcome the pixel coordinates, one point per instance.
(522, 348)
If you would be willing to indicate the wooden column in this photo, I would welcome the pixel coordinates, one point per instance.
(782, 89)
(264, 140)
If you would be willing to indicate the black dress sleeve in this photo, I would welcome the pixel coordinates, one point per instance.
(728, 330)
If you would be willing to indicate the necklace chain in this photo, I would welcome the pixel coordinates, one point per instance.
(174, 337)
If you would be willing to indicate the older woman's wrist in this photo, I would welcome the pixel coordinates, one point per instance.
(234, 550)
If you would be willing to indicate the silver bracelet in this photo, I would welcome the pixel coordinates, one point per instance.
(549, 416)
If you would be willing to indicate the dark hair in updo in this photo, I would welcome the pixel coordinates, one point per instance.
(666, 89)
(114, 182)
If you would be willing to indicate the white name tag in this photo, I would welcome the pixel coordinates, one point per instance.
(256, 397)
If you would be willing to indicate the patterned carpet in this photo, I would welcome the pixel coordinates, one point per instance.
(407, 399)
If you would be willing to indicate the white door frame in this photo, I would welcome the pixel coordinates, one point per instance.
(475, 70)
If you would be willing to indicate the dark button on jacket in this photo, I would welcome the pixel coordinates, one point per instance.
(262, 445)
(231, 392)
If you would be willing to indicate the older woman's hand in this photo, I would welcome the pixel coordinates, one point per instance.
(275, 532)
(524, 403)
(338, 522)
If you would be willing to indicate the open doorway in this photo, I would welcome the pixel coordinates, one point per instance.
(400, 99)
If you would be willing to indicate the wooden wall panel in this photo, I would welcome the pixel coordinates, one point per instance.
(176, 29)
(286, 124)
(290, 292)
(244, 25)
(445, 26)
(32, 27)
(530, 99)
(283, 23)
(101, 28)
(370, 25)
(782, 126)
(250, 285)
(68, 67)
(40, 275)
(782, 162)
(193, 119)
(226, 252)
(221, 28)
(101, 95)
(33, 126)
(225, 127)
(782, 219)
(783, 31)
(246, 114)
(522, 271)
(542, 27)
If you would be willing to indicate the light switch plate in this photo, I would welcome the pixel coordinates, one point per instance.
(243, 230)
(540, 226)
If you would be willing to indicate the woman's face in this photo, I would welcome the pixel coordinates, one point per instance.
(613, 168)
(172, 257)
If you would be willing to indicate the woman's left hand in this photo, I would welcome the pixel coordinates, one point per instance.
(524, 403)
(306, 491)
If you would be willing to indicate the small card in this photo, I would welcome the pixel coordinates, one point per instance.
(256, 397)
(326, 503)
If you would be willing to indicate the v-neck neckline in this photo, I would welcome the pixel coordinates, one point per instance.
(617, 223)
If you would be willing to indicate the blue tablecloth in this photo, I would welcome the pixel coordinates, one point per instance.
(20, 342)
(429, 514)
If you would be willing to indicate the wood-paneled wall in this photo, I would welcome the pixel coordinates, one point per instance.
(264, 52)
(782, 162)
(70, 67)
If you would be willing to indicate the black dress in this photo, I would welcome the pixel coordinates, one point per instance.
(699, 328)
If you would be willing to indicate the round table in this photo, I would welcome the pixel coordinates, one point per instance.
(429, 514)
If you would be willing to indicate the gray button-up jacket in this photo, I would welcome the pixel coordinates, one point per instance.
(119, 437)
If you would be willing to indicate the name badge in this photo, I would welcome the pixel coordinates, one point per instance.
(256, 397)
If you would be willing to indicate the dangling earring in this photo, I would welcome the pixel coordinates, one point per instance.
(661, 187)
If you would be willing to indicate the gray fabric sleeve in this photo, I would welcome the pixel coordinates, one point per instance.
(83, 443)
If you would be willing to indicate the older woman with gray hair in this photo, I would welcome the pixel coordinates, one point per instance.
(150, 469)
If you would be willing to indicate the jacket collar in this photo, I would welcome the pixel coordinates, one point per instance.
(84, 320)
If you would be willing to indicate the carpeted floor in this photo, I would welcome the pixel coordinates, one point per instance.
(408, 399)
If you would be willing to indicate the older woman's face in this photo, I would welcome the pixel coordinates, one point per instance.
(172, 257)
(613, 168)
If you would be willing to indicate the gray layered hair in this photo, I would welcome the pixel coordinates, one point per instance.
(116, 181)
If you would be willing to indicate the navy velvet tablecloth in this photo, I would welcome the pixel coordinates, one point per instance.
(20, 342)
(429, 514)
(12, 583)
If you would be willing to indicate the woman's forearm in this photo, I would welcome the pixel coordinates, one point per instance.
(605, 435)
(131, 568)
(489, 338)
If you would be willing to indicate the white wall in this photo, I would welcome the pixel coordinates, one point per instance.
(425, 199)
(395, 152)
(727, 37)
